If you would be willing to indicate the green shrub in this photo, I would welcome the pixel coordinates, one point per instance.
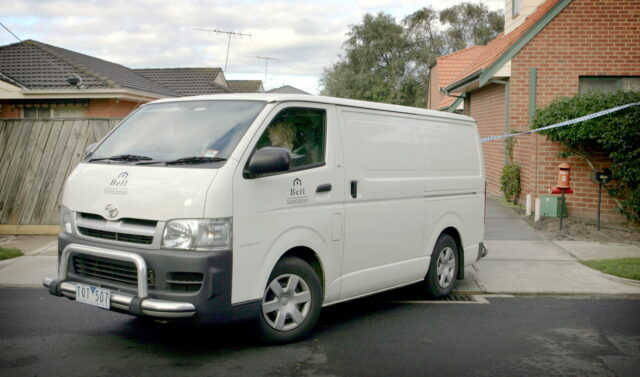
(510, 182)
(616, 134)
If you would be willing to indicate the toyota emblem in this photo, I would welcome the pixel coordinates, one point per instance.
(111, 210)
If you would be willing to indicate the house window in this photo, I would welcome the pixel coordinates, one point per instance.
(68, 112)
(42, 112)
(33, 112)
(608, 84)
(515, 8)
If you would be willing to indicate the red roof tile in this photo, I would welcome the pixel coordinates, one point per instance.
(450, 66)
(499, 46)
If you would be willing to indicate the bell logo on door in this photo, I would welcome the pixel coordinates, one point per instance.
(297, 193)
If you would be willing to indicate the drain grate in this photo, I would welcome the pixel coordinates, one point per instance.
(413, 295)
(451, 299)
(458, 298)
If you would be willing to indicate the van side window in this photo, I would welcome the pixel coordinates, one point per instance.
(301, 132)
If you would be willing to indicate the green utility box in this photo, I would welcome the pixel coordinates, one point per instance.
(550, 206)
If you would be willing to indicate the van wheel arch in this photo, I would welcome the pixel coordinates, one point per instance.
(453, 232)
(311, 258)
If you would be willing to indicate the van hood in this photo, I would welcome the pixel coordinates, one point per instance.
(139, 192)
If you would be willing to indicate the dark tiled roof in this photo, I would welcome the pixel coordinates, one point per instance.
(37, 65)
(287, 89)
(186, 81)
(245, 86)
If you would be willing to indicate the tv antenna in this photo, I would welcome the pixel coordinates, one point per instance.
(266, 64)
(10, 32)
(229, 35)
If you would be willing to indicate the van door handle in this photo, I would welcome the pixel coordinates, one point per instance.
(354, 189)
(324, 188)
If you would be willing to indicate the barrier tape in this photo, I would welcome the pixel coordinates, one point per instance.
(562, 124)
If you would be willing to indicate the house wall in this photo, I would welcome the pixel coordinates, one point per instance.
(588, 38)
(109, 108)
(97, 108)
(8, 111)
(435, 95)
(487, 108)
(526, 8)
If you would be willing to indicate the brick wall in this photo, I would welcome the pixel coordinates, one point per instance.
(487, 108)
(588, 38)
(434, 94)
(109, 108)
(8, 111)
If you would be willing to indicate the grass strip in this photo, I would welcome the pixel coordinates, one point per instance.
(9, 253)
(628, 268)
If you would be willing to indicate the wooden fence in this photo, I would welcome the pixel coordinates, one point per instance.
(36, 156)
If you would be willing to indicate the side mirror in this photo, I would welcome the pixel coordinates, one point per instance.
(269, 160)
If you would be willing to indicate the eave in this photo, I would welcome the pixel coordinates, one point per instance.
(483, 76)
(123, 94)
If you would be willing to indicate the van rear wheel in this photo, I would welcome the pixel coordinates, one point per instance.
(291, 302)
(443, 268)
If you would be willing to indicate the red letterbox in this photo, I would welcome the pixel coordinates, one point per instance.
(564, 175)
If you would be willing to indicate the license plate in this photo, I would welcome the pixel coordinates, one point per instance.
(88, 294)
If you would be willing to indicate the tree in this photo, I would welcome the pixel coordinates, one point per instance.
(469, 24)
(374, 65)
(426, 43)
(386, 61)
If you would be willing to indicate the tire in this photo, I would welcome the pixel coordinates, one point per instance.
(291, 302)
(443, 268)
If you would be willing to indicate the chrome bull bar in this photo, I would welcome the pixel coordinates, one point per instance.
(138, 305)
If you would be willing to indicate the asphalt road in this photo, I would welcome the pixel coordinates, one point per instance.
(41, 335)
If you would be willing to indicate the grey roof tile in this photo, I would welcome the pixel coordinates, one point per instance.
(37, 65)
(245, 86)
(186, 81)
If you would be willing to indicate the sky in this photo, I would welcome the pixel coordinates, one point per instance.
(303, 37)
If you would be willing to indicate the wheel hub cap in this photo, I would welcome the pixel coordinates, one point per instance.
(446, 267)
(286, 302)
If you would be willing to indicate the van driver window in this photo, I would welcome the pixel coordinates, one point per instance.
(301, 132)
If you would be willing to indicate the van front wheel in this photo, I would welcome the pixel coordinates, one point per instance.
(291, 302)
(443, 268)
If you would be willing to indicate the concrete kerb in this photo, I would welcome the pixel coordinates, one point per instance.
(614, 251)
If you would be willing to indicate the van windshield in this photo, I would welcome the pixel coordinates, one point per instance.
(191, 132)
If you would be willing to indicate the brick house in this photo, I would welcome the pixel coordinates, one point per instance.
(38, 80)
(54, 103)
(549, 49)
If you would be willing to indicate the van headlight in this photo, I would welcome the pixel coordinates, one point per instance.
(66, 220)
(197, 234)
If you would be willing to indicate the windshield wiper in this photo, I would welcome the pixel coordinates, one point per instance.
(122, 157)
(195, 160)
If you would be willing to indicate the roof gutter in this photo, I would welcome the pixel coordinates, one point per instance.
(465, 81)
(526, 38)
(123, 94)
(485, 75)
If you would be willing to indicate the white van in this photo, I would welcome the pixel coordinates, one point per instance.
(268, 207)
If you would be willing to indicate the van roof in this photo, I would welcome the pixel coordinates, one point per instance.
(283, 97)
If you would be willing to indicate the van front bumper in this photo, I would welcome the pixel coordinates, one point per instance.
(132, 304)
(139, 304)
(150, 290)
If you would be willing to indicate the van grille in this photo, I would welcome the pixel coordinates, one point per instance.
(109, 270)
(184, 281)
(124, 237)
(138, 231)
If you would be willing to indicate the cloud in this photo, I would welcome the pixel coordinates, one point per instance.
(306, 36)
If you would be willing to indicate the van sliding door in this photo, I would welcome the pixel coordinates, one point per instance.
(383, 201)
